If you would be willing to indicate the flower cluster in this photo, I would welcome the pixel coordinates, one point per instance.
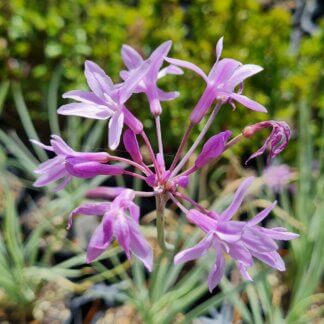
(242, 241)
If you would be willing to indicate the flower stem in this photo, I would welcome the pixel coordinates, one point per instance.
(233, 141)
(192, 202)
(142, 168)
(149, 146)
(182, 145)
(160, 207)
(135, 175)
(197, 141)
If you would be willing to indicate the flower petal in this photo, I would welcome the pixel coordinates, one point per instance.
(241, 254)
(230, 231)
(167, 96)
(122, 233)
(222, 71)
(85, 110)
(249, 103)
(243, 270)
(219, 48)
(189, 66)
(84, 96)
(171, 69)
(43, 146)
(100, 240)
(255, 240)
(237, 200)
(130, 57)
(262, 215)
(60, 147)
(243, 72)
(131, 146)
(98, 81)
(205, 222)
(139, 246)
(195, 252)
(115, 129)
(272, 259)
(279, 233)
(217, 271)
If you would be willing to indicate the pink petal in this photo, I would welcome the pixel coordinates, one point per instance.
(167, 96)
(97, 79)
(60, 147)
(100, 240)
(139, 246)
(262, 215)
(222, 71)
(115, 129)
(131, 146)
(279, 233)
(205, 222)
(195, 252)
(45, 147)
(219, 48)
(241, 254)
(85, 110)
(243, 270)
(249, 103)
(48, 165)
(132, 122)
(216, 272)
(229, 212)
(243, 72)
(122, 233)
(189, 66)
(130, 57)
(256, 241)
(84, 96)
(230, 231)
(171, 69)
(272, 259)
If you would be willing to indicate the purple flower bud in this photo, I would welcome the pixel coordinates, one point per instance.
(213, 148)
(276, 142)
(104, 192)
(131, 146)
(131, 121)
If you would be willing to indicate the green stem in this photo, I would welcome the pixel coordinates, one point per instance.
(160, 207)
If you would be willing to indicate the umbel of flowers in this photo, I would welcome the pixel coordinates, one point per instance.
(243, 241)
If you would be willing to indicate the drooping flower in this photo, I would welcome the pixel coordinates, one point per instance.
(222, 80)
(121, 221)
(241, 240)
(277, 177)
(106, 100)
(275, 143)
(132, 59)
(68, 163)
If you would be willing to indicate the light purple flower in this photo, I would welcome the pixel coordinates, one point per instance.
(132, 59)
(106, 100)
(277, 177)
(277, 140)
(68, 163)
(222, 80)
(121, 221)
(241, 240)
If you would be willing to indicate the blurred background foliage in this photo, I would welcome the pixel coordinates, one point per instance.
(38, 38)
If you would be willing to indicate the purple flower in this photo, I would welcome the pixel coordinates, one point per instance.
(68, 163)
(276, 142)
(277, 177)
(148, 84)
(131, 146)
(223, 78)
(106, 100)
(241, 240)
(120, 220)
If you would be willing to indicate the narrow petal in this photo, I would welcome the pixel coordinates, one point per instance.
(279, 233)
(100, 240)
(230, 231)
(128, 86)
(167, 96)
(122, 233)
(262, 215)
(60, 146)
(53, 175)
(205, 222)
(85, 110)
(272, 259)
(244, 273)
(216, 272)
(237, 200)
(219, 48)
(89, 209)
(132, 122)
(241, 73)
(115, 129)
(171, 69)
(98, 81)
(222, 71)
(104, 192)
(195, 252)
(63, 183)
(139, 246)
(255, 240)
(241, 254)
(249, 103)
(84, 96)
(188, 65)
(43, 146)
(48, 165)
(130, 57)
